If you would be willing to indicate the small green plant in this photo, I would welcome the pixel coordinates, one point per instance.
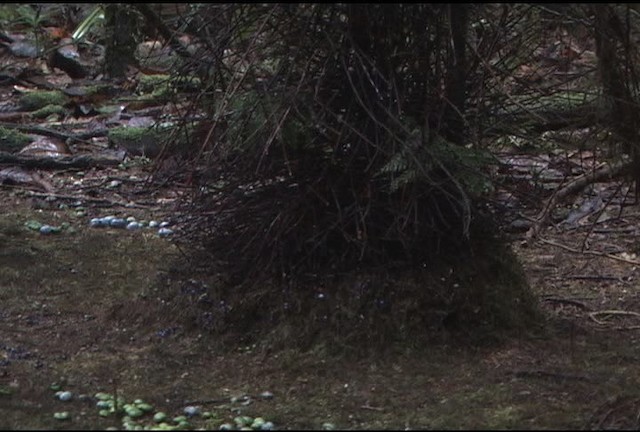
(32, 19)
(415, 162)
(12, 141)
(94, 18)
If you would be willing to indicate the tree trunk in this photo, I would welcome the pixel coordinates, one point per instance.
(620, 111)
(122, 28)
(456, 75)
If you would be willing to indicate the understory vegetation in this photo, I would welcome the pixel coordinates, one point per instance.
(338, 191)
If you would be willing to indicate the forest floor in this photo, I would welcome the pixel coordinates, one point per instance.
(88, 309)
(85, 309)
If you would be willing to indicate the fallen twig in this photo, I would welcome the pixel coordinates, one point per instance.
(95, 200)
(372, 408)
(576, 303)
(545, 374)
(576, 185)
(240, 399)
(587, 252)
(612, 312)
(625, 230)
(593, 277)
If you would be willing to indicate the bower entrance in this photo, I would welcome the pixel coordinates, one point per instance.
(336, 197)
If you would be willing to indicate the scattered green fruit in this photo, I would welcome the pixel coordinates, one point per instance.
(179, 419)
(183, 425)
(257, 423)
(133, 411)
(145, 407)
(103, 404)
(103, 396)
(35, 226)
(63, 415)
(159, 417)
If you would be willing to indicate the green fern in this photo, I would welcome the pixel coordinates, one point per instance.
(416, 163)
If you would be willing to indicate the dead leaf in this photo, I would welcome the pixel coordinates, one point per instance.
(56, 33)
(24, 49)
(15, 175)
(18, 176)
(142, 121)
(46, 147)
(44, 183)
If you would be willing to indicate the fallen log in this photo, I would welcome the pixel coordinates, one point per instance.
(79, 161)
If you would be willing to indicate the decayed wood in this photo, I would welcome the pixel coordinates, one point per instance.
(81, 161)
(539, 121)
(575, 186)
(39, 130)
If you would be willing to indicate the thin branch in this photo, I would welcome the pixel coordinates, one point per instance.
(587, 252)
(605, 171)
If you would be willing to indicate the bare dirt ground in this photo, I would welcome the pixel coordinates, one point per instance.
(89, 310)
(86, 309)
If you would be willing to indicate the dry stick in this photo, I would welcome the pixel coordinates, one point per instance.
(626, 230)
(571, 302)
(594, 277)
(96, 200)
(545, 374)
(600, 173)
(39, 130)
(79, 161)
(615, 312)
(596, 253)
(164, 31)
(372, 408)
(623, 328)
(593, 225)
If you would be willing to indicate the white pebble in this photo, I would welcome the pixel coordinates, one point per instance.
(117, 223)
(191, 411)
(65, 396)
(267, 426)
(46, 229)
(266, 395)
(164, 232)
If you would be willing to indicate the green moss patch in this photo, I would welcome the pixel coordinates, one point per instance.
(151, 83)
(48, 110)
(138, 141)
(37, 100)
(12, 141)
